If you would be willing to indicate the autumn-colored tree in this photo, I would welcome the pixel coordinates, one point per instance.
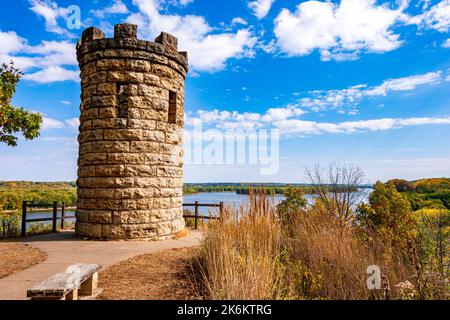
(388, 212)
(14, 119)
(402, 185)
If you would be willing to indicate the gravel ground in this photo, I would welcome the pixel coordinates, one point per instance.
(158, 276)
(18, 256)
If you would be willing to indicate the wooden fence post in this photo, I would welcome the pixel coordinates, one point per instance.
(221, 208)
(55, 215)
(63, 213)
(24, 219)
(196, 215)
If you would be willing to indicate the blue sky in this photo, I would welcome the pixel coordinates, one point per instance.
(355, 81)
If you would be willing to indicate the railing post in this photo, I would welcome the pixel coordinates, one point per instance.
(221, 208)
(63, 213)
(55, 215)
(24, 219)
(196, 215)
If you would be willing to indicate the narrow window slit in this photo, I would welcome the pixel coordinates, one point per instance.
(172, 107)
(122, 94)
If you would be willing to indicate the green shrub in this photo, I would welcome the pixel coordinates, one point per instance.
(9, 224)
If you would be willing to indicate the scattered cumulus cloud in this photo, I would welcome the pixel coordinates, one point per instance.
(289, 119)
(52, 74)
(52, 14)
(239, 20)
(185, 2)
(446, 43)
(436, 17)
(288, 122)
(11, 42)
(261, 8)
(116, 7)
(318, 100)
(73, 123)
(338, 31)
(301, 127)
(43, 63)
(50, 123)
(208, 49)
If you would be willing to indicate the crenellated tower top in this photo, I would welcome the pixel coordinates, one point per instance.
(93, 46)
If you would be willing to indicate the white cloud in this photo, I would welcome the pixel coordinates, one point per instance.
(247, 120)
(339, 31)
(65, 102)
(406, 83)
(73, 123)
(278, 114)
(446, 43)
(11, 42)
(43, 63)
(437, 17)
(318, 100)
(51, 12)
(239, 20)
(116, 7)
(294, 126)
(261, 8)
(49, 123)
(185, 2)
(289, 118)
(54, 53)
(208, 51)
(270, 47)
(288, 121)
(52, 74)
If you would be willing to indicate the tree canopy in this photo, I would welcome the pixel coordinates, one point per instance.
(15, 120)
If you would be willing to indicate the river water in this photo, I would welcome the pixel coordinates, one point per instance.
(228, 198)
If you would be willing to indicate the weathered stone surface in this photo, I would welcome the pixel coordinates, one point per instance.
(102, 217)
(125, 30)
(88, 230)
(130, 165)
(167, 40)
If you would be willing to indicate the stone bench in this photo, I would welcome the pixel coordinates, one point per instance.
(78, 280)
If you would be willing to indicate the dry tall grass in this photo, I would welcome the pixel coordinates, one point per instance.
(329, 260)
(251, 254)
(239, 252)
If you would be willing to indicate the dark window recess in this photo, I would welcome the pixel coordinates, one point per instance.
(122, 94)
(172, 107)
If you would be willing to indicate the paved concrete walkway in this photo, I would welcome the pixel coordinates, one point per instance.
(63, 249)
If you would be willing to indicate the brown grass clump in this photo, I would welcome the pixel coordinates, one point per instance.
(251, 254)
(325, 259)
(15, 257)
(239, 253)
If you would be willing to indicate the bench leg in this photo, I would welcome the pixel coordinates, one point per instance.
(47, 298)
(73, 295)
(89, 287)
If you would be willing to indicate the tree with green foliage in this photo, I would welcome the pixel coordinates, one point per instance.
(433, 237)
(293, 202)
(15, 119)
(288, 210)
(388, 212)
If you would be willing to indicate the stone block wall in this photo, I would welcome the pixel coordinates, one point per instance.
(130, 165)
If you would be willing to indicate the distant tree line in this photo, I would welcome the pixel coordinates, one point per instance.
(245, 189)
(13, 193)
(425, 193)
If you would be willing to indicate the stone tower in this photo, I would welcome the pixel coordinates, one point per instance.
(130, 165)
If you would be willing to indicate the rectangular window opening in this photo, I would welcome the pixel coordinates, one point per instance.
(172, 107)
(122, 94)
